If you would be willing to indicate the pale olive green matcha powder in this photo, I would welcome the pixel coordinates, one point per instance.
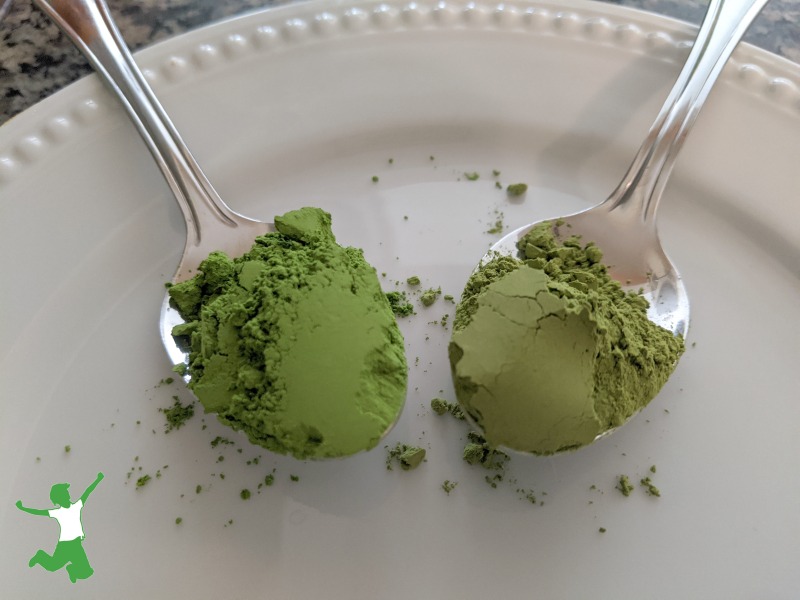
(295, 343)
(549, 352)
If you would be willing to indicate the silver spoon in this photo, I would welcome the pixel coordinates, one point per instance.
(624, 225)
(210, 224)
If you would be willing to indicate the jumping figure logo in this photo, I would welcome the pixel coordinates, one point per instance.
(69, 549)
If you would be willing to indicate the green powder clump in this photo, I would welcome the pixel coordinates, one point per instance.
(448, 486)
(177, 414)
(428, 297)
(478, 451)
(294, 343)
(651, 489)
(398, 302)
(517, 189)
(408, 457)
(440, 407)
(624, 485)
(548, 351)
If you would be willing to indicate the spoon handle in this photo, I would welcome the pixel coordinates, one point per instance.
(723, 26)
(89, 25)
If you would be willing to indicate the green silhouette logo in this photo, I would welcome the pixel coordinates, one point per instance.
(69, 549)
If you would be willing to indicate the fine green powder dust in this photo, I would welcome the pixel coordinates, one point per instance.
(549, 352)
(294, 343)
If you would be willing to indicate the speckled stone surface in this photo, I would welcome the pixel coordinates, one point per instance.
(36, 60)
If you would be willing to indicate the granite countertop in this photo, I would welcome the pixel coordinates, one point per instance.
(36, 60)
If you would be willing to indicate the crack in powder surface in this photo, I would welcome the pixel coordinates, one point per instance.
(548, 352)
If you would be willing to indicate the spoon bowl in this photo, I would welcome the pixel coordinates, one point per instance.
(210, 224)
(623, 226)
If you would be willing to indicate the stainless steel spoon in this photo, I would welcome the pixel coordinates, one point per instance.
(624, 225)
(210, 224)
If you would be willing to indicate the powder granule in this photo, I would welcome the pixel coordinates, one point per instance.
(295, 343)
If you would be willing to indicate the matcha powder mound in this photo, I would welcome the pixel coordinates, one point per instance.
(548, 352)
(294, 343)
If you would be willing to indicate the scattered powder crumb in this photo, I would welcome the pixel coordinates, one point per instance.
(440, 407)
(449, 298)
(142, 481)
(398, 301)
(516, 189)
(375, 179)
(409, 457)
(166, 381)
(294, 477)
(495, 173)
(244, 494)
(498, 224)
(67, 448)
(413, 280)
(472, 176)
(602, 530)
(179, 520)
(198, 489)
(429, 296)
(652, 468)
(493, 480)
(478, 452)
(624, 485)
(649, 487)
(269, 479)
(177, 414)
(448, 486)
(220, 440)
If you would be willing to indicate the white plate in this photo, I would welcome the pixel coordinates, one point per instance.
(302, 105)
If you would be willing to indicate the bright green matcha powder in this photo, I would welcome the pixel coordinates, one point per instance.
(549, 352)
(295, 343)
